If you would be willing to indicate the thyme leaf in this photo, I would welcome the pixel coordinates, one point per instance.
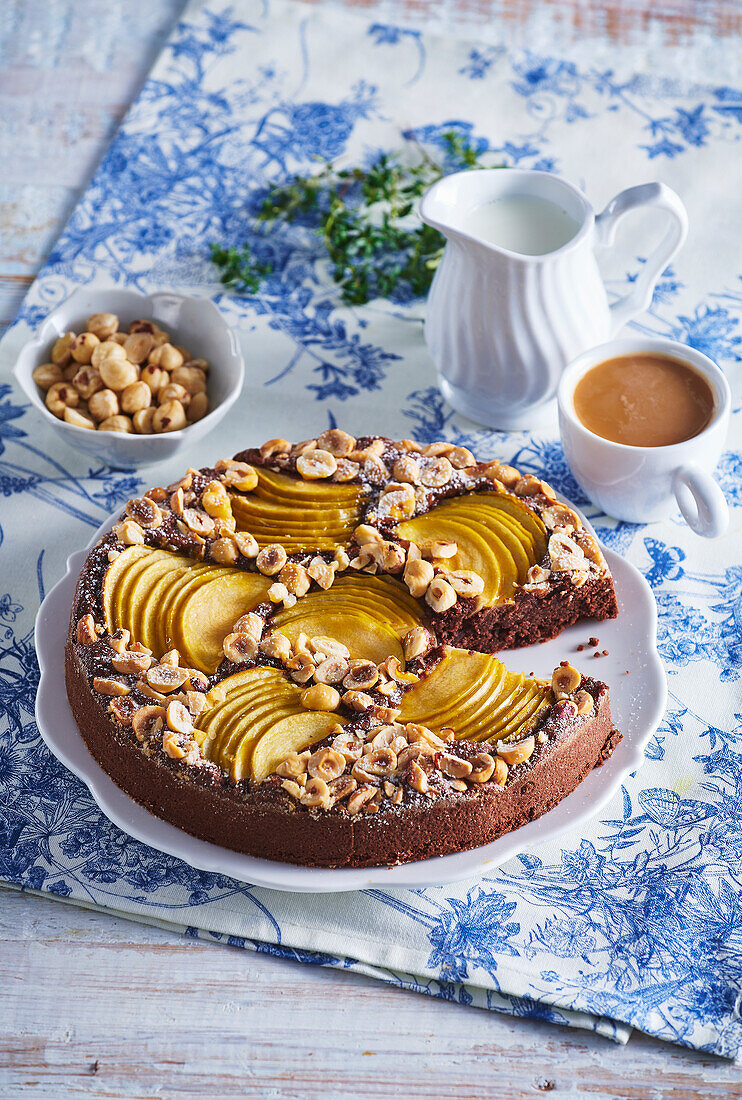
(376, 243)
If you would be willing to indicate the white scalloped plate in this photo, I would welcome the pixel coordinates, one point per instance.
(638, 699)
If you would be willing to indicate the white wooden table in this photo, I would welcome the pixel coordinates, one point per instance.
(93, 1006)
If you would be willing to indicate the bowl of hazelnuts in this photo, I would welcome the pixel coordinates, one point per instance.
(132, 378)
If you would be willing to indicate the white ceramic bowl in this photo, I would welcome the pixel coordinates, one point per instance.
(194, 322)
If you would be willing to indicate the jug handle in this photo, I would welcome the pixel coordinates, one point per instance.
(661, 197)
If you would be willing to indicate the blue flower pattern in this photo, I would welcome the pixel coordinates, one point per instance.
(639, 923)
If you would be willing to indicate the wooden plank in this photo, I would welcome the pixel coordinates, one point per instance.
(95, 1006)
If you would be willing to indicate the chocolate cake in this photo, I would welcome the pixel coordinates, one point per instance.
(291, 654)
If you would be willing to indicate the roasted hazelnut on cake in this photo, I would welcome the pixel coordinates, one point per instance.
(291, 653)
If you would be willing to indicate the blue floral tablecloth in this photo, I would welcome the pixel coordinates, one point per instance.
(638, 923)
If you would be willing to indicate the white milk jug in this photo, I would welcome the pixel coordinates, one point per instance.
(518, 294)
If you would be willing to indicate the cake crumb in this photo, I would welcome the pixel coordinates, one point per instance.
(605, 652)
(593, 641)
(580, 648)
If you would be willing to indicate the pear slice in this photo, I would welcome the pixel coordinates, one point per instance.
(368, 614)
(298, 515)
(293, 734)
(208, 610)
(475, 695)
(254, 719)
(497, 536)
(114, 576)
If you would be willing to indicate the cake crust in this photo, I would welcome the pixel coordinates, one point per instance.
(439, 795)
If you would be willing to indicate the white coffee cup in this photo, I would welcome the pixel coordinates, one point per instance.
(644, 484)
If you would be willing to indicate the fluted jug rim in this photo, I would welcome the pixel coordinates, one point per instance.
(446, 203)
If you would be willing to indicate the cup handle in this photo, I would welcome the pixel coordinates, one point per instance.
(701, 501)
(656, 195)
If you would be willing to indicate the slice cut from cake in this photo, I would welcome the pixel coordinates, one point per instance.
(291, 653)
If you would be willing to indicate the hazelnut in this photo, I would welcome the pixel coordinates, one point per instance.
(437, 473)
(326, 764)
(331, 670)
(271, 560)
(295, 577)
(461, 457)
(292, 767)
(47, 375)
(275, 447)
(178, 717)
(278, 593)
(245, 543)
(168, 357)
(584, 702)
(198, 407)
(79, 419)
(82, 347)
(321, 572)
(565, 680)
(191, 379)
(240, 476)
(103, 404)
(136, 397)
(137, 346)
(117, 374)
(142, 421)
(500, 775)
(358, 799)
(482, 767)
(301, 667)
(61, 396)
(132, 661)
(224, 551)
(154, 377)
(321, 697)
(440, 595)
(250, 624)
(417, 642)
(144, 511)
(374, 470)
(85, 632)
(103, 325)
(454, 766)
(517, 753)
(166, 678)
(129, 532)
(465, 582)
(407, 469)
(398, 502)
(341, 787)
(276, 645)
(416, 777)
(439, 548)
(336, 442)
(170, 417)
(62, 349)
(239, 648)
(357, 700)
(106, 685)
(362, 675)
(316, 464)
(418, 576)
(87, 381)
(346, 471)
(316, 794)
(116, 424)
(173, 392)
(348, 746)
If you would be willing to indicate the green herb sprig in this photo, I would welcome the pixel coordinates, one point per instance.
(376, 243)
